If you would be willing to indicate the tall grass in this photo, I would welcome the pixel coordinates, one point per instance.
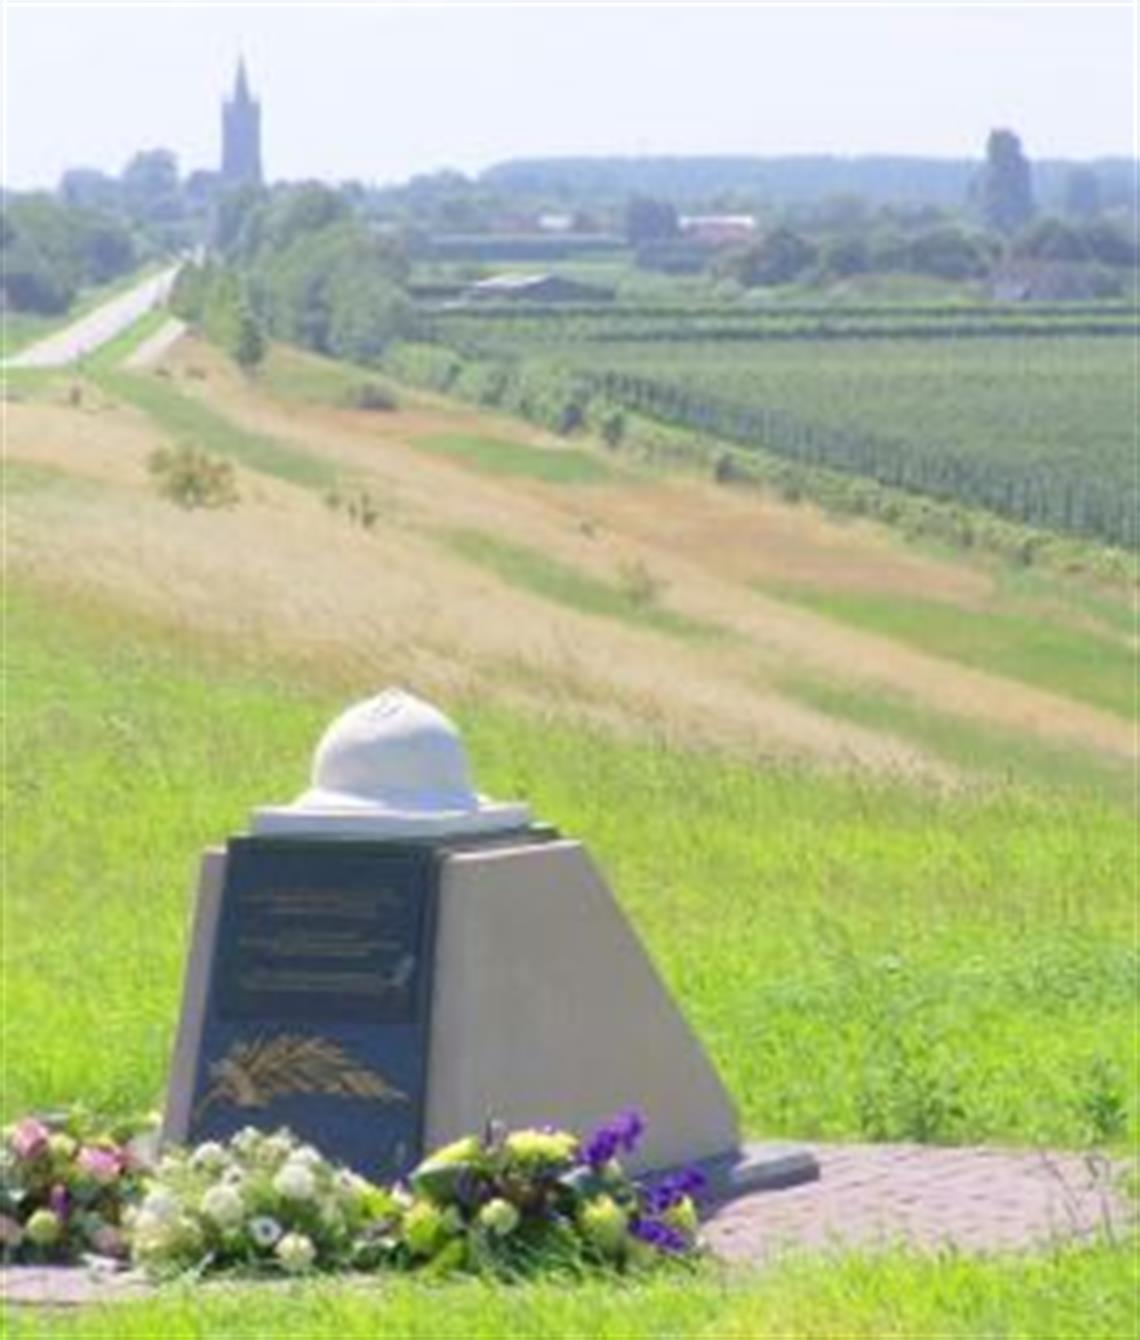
(1088, 665)
(189, 421)
(862, 958)
(632, 597)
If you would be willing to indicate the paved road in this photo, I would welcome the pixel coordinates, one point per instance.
(152, 349)
(98, 326)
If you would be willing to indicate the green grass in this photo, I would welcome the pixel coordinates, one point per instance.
(1084, 1292)
(1019, 645)
(1005, 756)
(553, 580)
(563, 465)
(118, 349)
(187, 420)
(291, 374)
(863, 958)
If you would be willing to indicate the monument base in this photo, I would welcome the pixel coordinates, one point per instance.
(386, 999)
(758, 1167)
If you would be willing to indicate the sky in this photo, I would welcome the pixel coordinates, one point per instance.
(379, 92)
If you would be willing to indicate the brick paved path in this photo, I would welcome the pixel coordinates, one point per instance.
(973, 1199)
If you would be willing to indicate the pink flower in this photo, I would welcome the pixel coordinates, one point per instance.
(29, 1139)
(101, 1165)
(10, 1232)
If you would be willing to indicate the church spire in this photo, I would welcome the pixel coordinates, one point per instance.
(241, 133)
(241, 83)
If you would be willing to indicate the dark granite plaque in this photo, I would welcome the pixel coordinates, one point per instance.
(309, 992)
(320, 989)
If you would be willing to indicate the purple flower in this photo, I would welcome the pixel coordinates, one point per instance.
(59, 1200)
(621, 1132)
(662, 1236)
(671, 1190)
(29, 1139)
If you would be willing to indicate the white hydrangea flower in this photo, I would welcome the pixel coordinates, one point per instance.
(224, 1205)
(264, 1230)
(308, 1155)
(295, 1181)
(160, 1205)
(247, 1141)
(209, 1157)
(276, 1148)
(296, 1252)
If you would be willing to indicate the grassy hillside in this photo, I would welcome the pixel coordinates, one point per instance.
(886, 875)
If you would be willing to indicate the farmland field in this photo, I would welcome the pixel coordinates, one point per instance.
(1040, 430)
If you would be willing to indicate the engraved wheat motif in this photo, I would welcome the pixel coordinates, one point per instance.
(254, 1073)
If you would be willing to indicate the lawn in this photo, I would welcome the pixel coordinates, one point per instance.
(864, 958)
(551, 465)
(1070, 1292)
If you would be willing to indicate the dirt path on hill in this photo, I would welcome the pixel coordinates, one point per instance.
(672, 528)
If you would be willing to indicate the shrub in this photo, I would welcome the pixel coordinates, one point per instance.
(190, 477)
(371, 396)
(639, 585)
(360, 507)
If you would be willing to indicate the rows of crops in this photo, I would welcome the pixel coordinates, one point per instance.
(1042, 430)
(503, 327)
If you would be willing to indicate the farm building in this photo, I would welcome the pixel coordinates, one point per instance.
(718, 230)
(536, 288)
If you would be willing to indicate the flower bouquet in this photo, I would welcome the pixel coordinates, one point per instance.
(65, 1188)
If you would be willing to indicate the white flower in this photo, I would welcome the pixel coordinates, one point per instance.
(296, 1252)
(306, 1154)
(295, 1181)
(247, 1141)
(278, 1147)
(264, 1230)
(209, 1157)
(224, 1205)
(160, 1205)
(350, 1186)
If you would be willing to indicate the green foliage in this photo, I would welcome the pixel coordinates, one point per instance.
(648, 220)
(1006, 189)
(780, 257)
(191, 478)
(335, 290)
(214, 300)
(372, 396)
(50, 250)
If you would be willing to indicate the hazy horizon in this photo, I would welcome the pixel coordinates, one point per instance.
(381, 93)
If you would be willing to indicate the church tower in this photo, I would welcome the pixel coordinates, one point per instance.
(241, 135)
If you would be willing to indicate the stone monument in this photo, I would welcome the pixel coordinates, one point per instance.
(393, 959)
